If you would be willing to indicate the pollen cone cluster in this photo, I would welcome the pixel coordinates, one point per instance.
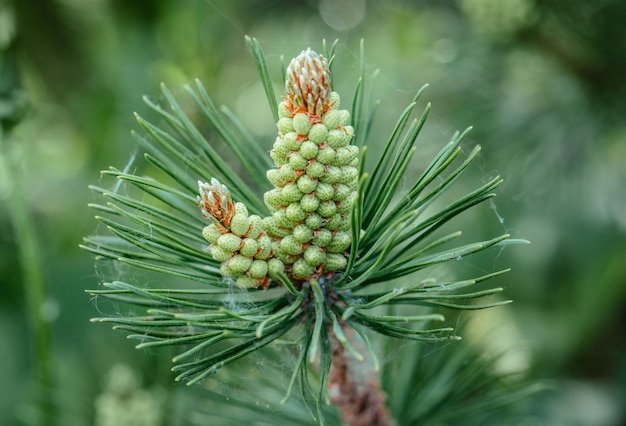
(316, 173)
(315, 182)
(237, 239)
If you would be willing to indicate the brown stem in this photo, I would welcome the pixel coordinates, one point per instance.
(354, 386)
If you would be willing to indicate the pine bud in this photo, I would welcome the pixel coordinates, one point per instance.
(314, 255)
(318, 133)
(211, 233)
(324, 191)
(308, 150)
(333, 174)
(265, 248)
(255, 226)
(302, 233)
(258, 269)
(227, 271)
(326, 155)
(335, 221)
(335, 100)
(309, 202)
(346, 205)
(219, 253)
(308, 83)
(349, 175)
(297, 161)
(285, 125)
(295, 212)
(301, 123)
(283, 111)
(331, 120)
(239, 264)
(291, 193)
(337, 138)
(289, 245)
(335, 261)
(315, 169)
(249, 247)
(274, 176)
(327, 208)
(273, 199)
(344, 118)
(291, 141)
(271, 226)
(246, 282)
(283, 220)
(216, 203)
(280, 146)
(314, 221)
(341, 241)
(240, 208)
(286, 259)
(229, 242)
(344, 225)
(346, 155)
(275, 267)
(302, 269)
(341, 192)
(287, 173)
(239, 224)
(279, 157)
(306, 183)
(323, 237)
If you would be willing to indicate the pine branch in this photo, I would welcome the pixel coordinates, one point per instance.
(332, 252)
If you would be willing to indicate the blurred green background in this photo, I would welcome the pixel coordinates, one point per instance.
(542, 82)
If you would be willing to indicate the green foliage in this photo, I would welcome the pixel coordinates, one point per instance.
(156, 226)
(425, 385)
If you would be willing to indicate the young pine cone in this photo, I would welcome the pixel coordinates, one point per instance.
(316, 172)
